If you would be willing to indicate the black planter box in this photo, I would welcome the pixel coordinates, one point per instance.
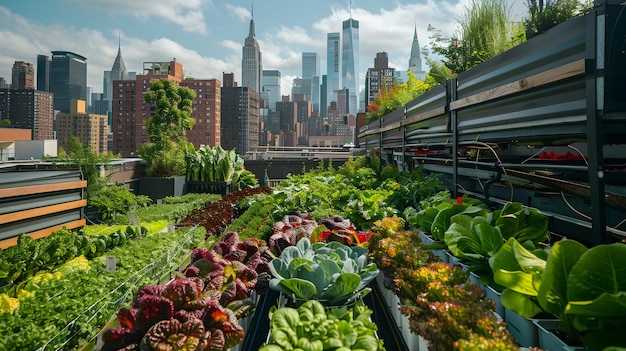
(161, 187)
(203, 187)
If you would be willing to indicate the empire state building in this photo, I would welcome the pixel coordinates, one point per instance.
(251, 64)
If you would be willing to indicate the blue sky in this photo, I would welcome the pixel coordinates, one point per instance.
(206, 36)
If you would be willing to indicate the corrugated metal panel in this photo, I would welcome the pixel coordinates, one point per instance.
(431, 99)
(12, 178)
(39, 199)
(27, 202)
(538, 115)
(31, 225)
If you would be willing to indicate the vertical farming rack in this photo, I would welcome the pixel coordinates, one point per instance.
(543, 124)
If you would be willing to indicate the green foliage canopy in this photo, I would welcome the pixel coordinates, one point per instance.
(167, 129)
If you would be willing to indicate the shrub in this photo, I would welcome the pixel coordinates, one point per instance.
(114, 199)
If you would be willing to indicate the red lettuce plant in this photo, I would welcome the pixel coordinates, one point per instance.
(288, 231)
(215, 216)
(172, 334)
(159, 315)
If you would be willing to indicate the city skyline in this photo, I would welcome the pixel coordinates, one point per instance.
(207, 36)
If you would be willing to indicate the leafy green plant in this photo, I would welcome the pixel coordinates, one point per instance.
(586, 288)
(173, 209)
(67, 311)
(113, 199)
(429, 219)
(485, 33)
(521, 222)
(474, 240)
(21, 262)
(214, 164)
(520, 271)
(311, 327)
(445, 309)
(332, 273)
(368, 206)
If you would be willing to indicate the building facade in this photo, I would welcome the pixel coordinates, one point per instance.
(288, 121)
(68, 79)
(350, 63)
(251, 62)
(333, 52)
(240, 117)
(271, 85)
(130, 112)
(43, 73)
(91, 129)
(379, 78)
(206, 111)
(23, 75)
(28, 109)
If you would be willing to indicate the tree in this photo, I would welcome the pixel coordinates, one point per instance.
(167, 129)
(5, 123)
(438, 71)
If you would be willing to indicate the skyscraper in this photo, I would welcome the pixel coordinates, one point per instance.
(23, 75)
(271, 85)
(350, 63)
(251, 63)
(310, 75)
(310, 64)
(117, 72)
(415, 61)
(240, 117)
(332, 68)
(43, 73)
(68, 79)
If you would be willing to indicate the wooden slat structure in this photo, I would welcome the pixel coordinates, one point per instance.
(37, 202)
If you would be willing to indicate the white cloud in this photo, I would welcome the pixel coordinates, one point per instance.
(242, 13)
(388, 28)
(185, 13)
